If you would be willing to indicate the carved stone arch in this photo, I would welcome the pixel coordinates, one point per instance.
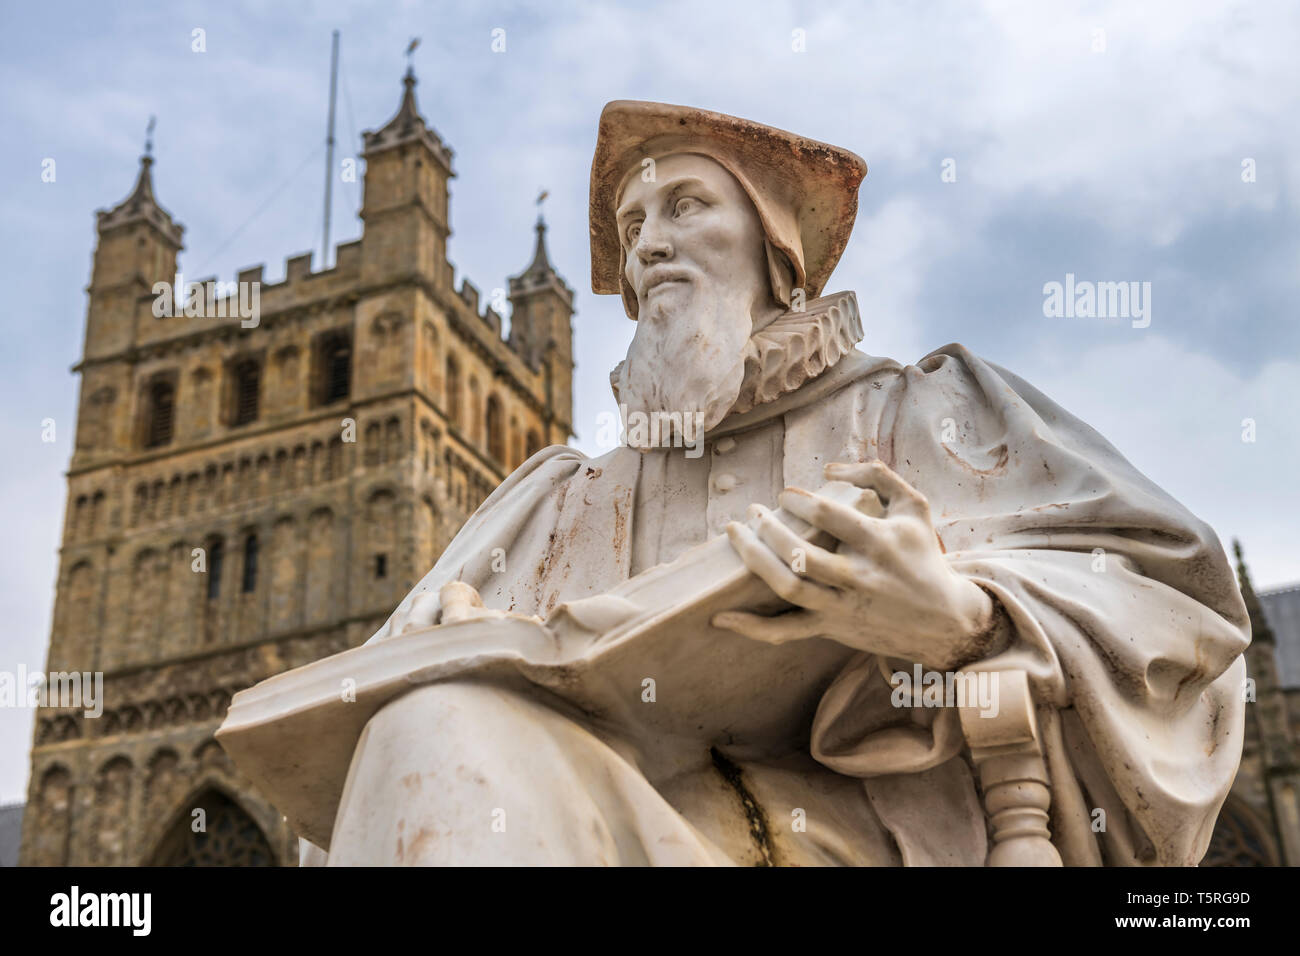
(176, 711)
(220, 701)
(132, 720)
(316, 463)
(429, 356)
(161, 778)
(198, 707)
(154, 716)
(112, 805)
(66, 728)
(191, 497)
(140, 503)
(285, 566)
(392, 440)
(171, 499)
(280, 470)
(144, 597)
(211, 827)
(75, 627)
(494, 427)
(475, 412)
(210, 757)
(54, 803)
(298, 475)
(80, 515)
(374, 437)
(1241, 837)
(323, 567)
(453, 401)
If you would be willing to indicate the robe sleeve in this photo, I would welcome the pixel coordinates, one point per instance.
(515, 520)
(1123, 607)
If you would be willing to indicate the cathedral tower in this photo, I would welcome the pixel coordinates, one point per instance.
(246, 496)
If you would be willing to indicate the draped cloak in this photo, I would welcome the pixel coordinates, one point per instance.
(1122, 606)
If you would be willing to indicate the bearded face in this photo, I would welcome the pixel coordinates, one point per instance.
(697, 262)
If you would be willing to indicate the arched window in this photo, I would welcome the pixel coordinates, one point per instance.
(475, 423)
(229, 838)
(248, 381)
(496, 437)
(453, 392)
(1240, 838)
(331, 374)
(534, 443)
(216, 559)
(162, 410)
(250, 564)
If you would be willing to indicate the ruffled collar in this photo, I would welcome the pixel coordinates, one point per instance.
(791, 350)
(796, 347)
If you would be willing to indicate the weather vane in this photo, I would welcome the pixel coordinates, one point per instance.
(148, 136)
(541, 198)
(410, 48)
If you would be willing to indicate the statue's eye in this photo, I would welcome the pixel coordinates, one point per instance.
(633, 233)
(686, 205)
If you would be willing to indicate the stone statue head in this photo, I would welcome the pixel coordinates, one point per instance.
(709, 227)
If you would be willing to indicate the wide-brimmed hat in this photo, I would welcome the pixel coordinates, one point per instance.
(806, 192)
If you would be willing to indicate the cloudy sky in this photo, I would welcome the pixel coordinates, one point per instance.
(1136, 142)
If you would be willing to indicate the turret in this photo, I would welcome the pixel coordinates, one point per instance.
(541, 331)
(137, 247)
(405, 208)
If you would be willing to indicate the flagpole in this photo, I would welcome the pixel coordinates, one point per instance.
(329, 150)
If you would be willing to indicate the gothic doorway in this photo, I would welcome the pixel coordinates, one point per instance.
(222, 835)
(1240, 838)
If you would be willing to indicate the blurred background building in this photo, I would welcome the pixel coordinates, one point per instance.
(247, 497)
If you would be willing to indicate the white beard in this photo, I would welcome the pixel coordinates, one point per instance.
(687, 358)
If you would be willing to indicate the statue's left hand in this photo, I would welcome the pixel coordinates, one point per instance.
(886, 588)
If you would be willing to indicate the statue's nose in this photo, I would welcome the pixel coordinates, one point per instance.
(652, 247)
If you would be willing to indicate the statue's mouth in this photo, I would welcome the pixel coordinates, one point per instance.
(661, 276)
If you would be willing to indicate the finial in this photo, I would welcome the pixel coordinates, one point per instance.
(148, 137)
(410, 48)
(541, 198)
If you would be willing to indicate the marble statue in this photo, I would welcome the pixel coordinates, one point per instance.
(735, 638)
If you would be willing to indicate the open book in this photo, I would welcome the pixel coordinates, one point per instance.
(642, 657)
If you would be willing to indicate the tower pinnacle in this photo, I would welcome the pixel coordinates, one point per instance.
(141, 203)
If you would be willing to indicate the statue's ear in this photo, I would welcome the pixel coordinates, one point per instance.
(780, 273)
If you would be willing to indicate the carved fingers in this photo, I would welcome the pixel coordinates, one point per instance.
(763, 561)
(791, 626)
(898, 497)
(841, 521)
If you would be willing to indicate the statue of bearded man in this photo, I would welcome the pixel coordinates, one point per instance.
(991, 533)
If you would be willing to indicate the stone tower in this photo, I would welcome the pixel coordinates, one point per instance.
(250, 492)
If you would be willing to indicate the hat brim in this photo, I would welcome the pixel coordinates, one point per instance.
(816, 183)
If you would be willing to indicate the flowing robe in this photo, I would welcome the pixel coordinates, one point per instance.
(1123, 610)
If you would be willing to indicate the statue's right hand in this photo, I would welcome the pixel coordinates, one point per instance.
(455, 601)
